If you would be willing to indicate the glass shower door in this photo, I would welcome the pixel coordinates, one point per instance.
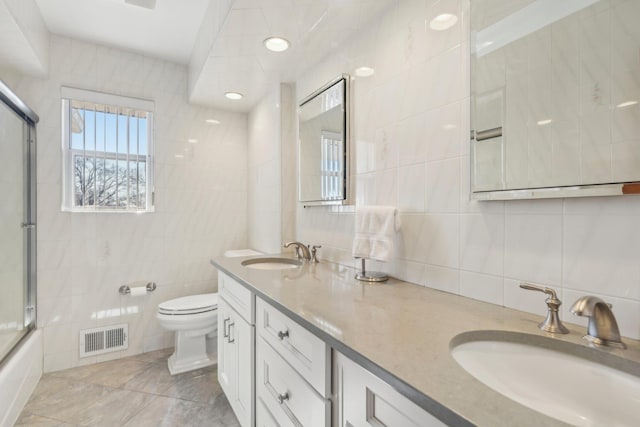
(15, 229)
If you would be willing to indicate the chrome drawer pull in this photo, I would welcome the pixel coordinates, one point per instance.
(224, 326)
(283, 335)
(231, 340)
(283, 397)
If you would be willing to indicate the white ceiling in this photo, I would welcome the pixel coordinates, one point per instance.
(167, 32)
(239, 62)
(220, 40)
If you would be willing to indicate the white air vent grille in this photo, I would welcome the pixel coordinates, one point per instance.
(104, 340)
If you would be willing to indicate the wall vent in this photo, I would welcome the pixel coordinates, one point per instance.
(104, 340)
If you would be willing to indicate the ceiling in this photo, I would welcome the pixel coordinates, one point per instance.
(238, 60)
(168, 32)
(220, 40)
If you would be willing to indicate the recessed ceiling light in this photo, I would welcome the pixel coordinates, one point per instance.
(442, 22)
(192, 140)
(544, 122)
(179, 156)
(213, 121)
(276, 44)
(627, 104)
(449, 126)
(365, 71)
(234, 95)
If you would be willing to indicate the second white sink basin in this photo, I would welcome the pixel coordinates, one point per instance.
(272, 263)
(553, 377)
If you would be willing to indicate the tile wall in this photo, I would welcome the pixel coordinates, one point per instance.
(272, 172)
(264, 166)
(411, 149)
(201, 204)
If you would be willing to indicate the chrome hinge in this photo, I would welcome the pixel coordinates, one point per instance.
(28, 225)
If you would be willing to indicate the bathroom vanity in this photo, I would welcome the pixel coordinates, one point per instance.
(327, 350)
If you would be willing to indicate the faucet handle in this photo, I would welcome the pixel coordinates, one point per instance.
(314, 250)
(296, 249)
(552, 294)
(552, 323)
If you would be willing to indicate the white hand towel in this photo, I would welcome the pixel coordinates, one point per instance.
(375, 232)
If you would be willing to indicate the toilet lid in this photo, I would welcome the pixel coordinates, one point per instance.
(192, 304)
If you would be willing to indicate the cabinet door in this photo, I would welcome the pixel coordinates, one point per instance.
(227, 372)
(364, 400)
(236, 362)
(241, 336)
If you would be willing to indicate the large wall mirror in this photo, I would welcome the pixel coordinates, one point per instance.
(555, 98)
(323, 144)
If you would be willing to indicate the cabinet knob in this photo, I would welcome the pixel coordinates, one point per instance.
(283, 397)
(283, 335)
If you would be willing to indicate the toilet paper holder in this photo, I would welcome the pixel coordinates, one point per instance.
(126, 290)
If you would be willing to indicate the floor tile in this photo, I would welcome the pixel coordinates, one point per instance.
(55, 397)
(114, 373)
(133, 391)
(153, 356)
(164, 411)
(113, 409)
(38, 421)
(155, 379)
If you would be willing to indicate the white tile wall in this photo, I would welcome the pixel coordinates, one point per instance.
(200, 205)
(417, 99)
(264, 169)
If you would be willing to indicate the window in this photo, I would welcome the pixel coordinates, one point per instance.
(108, 145)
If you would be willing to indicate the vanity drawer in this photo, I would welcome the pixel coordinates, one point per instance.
(363, 399)
(238, 297)
(305, 352)
(263, 416)
(289, 399)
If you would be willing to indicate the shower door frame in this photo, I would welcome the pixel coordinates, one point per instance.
(30, 119)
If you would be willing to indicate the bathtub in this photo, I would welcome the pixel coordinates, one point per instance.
(19, 376)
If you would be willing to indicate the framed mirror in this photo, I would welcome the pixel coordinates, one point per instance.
(555, 92)
(323, 144)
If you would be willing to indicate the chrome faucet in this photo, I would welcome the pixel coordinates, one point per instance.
(300, 247)
(602, 328)
(552, 323)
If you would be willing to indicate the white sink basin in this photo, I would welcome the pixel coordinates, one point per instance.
(553, 377)
(271, 263)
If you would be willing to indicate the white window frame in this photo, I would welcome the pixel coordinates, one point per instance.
(68, 95)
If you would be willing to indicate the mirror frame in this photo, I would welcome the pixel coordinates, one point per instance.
(346, 117)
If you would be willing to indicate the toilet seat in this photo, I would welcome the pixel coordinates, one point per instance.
(193, 304)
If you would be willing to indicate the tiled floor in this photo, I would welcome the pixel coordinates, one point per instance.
(134, 392)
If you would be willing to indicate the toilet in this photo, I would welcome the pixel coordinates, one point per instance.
(194, 319)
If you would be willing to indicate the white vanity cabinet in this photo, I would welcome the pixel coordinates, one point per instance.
(277, 373)
(362, 399)
(236, 348)
(292, 372)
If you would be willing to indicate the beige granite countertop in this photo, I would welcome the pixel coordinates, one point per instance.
(402, 333)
